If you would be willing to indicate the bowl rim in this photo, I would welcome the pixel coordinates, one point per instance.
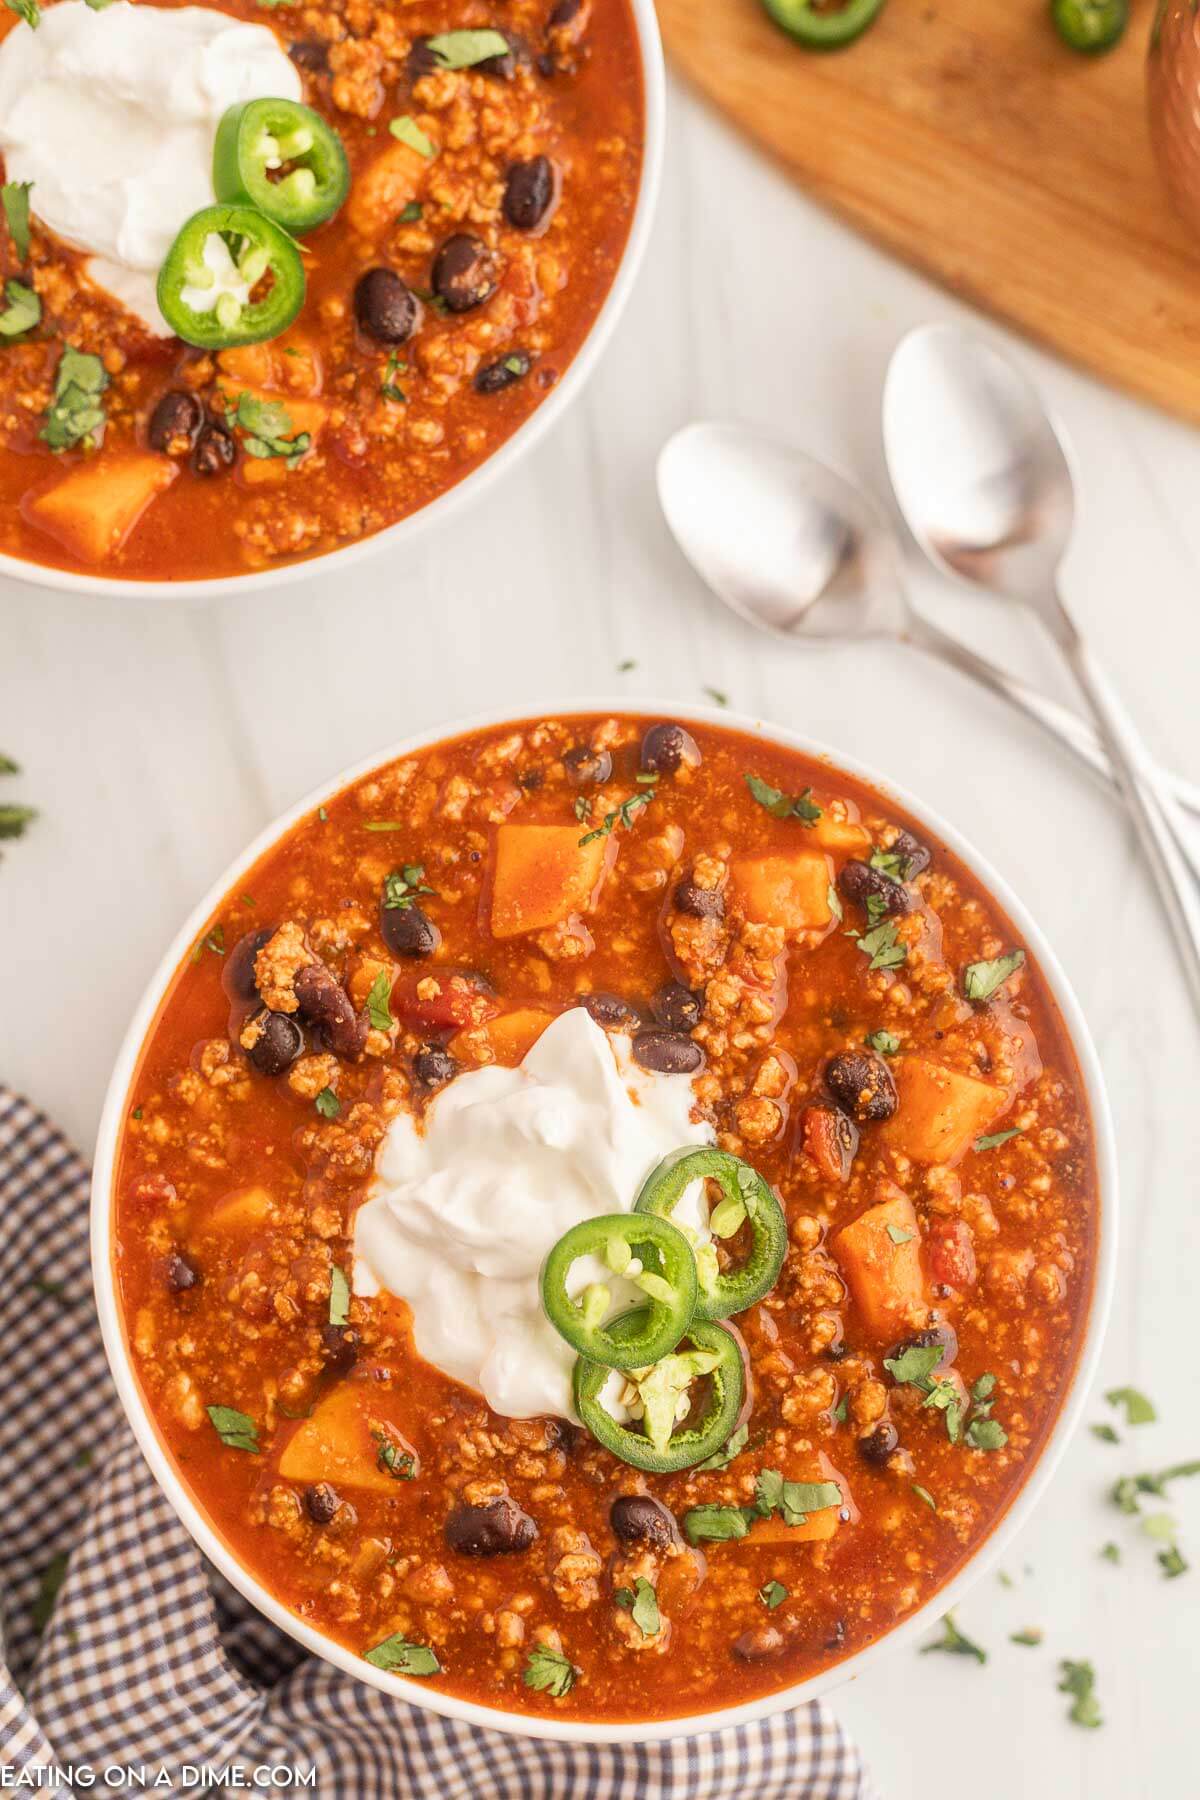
(404, 532)
(450, 1705)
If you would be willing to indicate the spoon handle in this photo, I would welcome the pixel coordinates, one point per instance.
(1152, 810)
(1075, 733)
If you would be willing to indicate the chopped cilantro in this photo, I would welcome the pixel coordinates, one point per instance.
(716, 696)
(22, 311)
(834, 903)
(388, 387)
(998, 1137)
(402, 886)
(409, 132)
(1111, 1552)
(793, 1500)
(924, 1494)
(1031, 1635)
(397, 1463)
(899, 1236)
(269, 430)
(14, 819)
(411, 213)
(463, 49)
(76, 415)
(881, 945)
(733, 1446)
(884, 1043)
(623, 814)
(954, 1643)
(377, 1002)
(1079, 1680)
(784, 806)
(983, 979)
(213, 940)
(339, 1296)
(889, 863)
(1106, 1434)
(234, 1428)
(327, 1103)
(840, 1410)
(624, 667)
(718, 1523)
(15, 198)
(642, 1603)
(548, 1671)
(1138, 1410)
(1128, 1490)
(773, 1594)
(400, 1656)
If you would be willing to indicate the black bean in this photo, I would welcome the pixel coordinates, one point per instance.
(862, 1085)
(531, 779)
(562, 12)
(698, 902)
(666, 748)
(497, 1528)
(421, 59)
(913, 854)
(433, 1066)
(385, 306)
(610, 1011)
(465, 272)
(175, 422)
(339, 1344)
(279, 1042)
(408, 932)
(310, 55)
(215, 450)
(586, 767)
(494, 377)
(321, 1502)
(667, 1053)
(676, 1007)
(943, 1335)
(325, 1004)
(861, 883)
(529, 193)
(237, 976)
(637, 1519)
(180, 1274)
(878, 1444)
(758, 1644)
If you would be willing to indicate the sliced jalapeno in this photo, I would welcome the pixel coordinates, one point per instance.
(659, 1442)
(220, 259)
(1090, 25)
(651, 1253)
(824, 26)
(745, 1198)
(282, 158)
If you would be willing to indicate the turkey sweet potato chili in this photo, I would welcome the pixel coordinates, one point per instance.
(388, 229)
(605, 1217)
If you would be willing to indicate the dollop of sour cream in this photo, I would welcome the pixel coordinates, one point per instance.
(112, 116)
(463, 1212)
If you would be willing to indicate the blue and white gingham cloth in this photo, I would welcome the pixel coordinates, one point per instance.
(150, 1660)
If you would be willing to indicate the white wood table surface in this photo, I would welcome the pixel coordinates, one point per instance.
(156, 739)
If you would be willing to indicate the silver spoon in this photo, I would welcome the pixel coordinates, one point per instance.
(798, 550)
(985, 485)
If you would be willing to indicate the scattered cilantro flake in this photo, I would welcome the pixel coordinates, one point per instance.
(1127, 1491)
(547, 1671)
(463, 49)
(732, 1447)
(954, 1643)
(884, 1043)
(716, 696)
(833, 901)
(983, 1388)
(1106, 1434)
(924, 1494)
(339, 1295)
(29, 10)
(625, 813)
(784, 806)
(14, 819)
(234, 1428)
(8, 766)
(1079, 1680)
(400, 1656)
(772, 1594)
(327, 1103)
(49, 1583)
(624, 667)
(411, 213)
(881, 945)
(914, 1366)
(14, 195)
(793, 1500)
(247, 899)
(268, 429)
(583, 808)
(1138, 1410)
(213, 940)
(1004, 1578)
(1172, 1561)
(22, 310)
(75, 416)
(377, 1002)
(998, 1137)
(986, 1434)
(889, 863)
(642, 1603)
(898, 1236)
(409, 132)
(983, 979)
(394, 366)
(394, 1461)
(1110, 1552)
(1031, 1635)
(137, 1112)
(718, 1523)
(840, 1410)
(402, 886)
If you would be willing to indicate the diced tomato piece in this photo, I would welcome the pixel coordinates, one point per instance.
(461, 1000)
(831, 1139)
(950, 1248)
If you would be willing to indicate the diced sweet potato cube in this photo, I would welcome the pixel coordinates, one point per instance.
(543, 874)
(941, 1111)
(841, 837)
(336, 1444)
(879, 1254)
(94, 507)
(288, 364)
(241, 1210)
(508, 1037)
(384, 188)
(250, 365)
(790, 891)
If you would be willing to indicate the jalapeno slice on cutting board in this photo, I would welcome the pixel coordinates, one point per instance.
(745, 1199)
(650, 1253)
(660, 1441)
(282, 158)
(824, 24)
(231, 277)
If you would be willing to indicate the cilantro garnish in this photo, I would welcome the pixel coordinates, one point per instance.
(463, 49)
(327, 1103)
(983, 979)
(1031, 1635)
(626, 812)
(884, 1043)
(377, 1002)
(1138, 1410)
(733, 1446)
(402, 886)
(400, 1656)
(718, 1523)
(269, 430)
(915, 1367)
(717, 697)
(397, 1463)
(1079, 1680)
(409, 132)
(1105, 1433)
(641, 1602)
(954, 1642)
(998, 1137)
(772, 1594)
(339, 1296)
(1111, 1552)
(76, 415)
(784, 806)
(1128, 1490)
(213, 940)
(234, 1428)
(410, 214)
(394, 366)
(14, 195)
(548, 1671)
(881, 945)
(924, 1494)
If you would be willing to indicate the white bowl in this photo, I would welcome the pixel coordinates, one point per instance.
(418, 1693)
(405, 531)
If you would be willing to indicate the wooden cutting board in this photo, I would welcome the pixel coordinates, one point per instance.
(964, 137)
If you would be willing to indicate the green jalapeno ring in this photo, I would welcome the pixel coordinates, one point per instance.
(258, 246)
(664, 1270)
(829, 30)
(1090, 26)
(693, 1443)
(258, 136)
(745, 1196)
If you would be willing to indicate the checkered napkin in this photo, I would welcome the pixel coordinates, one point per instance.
(119, 1646)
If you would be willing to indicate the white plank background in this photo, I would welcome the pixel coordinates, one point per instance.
(156, 739)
